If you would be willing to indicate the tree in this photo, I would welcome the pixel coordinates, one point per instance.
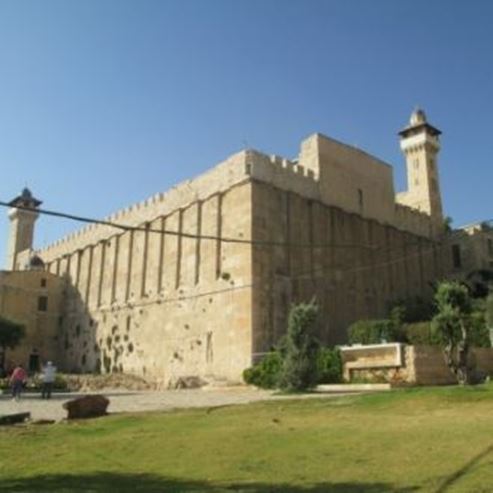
(489, 314)
(299, 349)
(11, 334)
(479, 282)
(447, 224)
(454, 327)
(413, 309)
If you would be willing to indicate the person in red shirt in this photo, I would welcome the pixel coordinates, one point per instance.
(17, 379)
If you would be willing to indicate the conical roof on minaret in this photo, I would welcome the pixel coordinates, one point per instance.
(25, 199)
(417, 123)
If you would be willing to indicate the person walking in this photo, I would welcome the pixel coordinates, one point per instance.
(49, 372)
(17, 380)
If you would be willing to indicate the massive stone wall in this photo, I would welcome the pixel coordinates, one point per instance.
(164, 305)
(354, 267)
(165, 301)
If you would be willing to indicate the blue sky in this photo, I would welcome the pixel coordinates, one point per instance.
(105, 102)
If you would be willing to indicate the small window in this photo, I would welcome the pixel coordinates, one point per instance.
(456, 256)
(42, 303)
(360, 199)
(490, 246)
(43, 283)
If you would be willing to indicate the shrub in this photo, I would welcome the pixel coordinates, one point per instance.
(329, 365)
(35, 383)
(265, 374)
(479, 335)
(11, 335)
(299, 349)
(374, 332)
(60, 382)
(421, 333)
(489, 309)
(414, 309)
(454, 326)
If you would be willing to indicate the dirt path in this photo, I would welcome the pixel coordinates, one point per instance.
(136, 401)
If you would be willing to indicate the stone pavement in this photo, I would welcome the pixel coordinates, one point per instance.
(138, 401)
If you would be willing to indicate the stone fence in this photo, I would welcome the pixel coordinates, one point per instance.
(402, 364)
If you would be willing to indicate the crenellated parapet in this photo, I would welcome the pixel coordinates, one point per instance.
(220, 178)
(327, 171)
(413, 221)
(282, 173)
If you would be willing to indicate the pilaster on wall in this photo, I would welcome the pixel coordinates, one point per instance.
(355, 268)
(180, 289)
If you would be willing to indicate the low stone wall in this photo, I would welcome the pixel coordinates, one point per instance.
(484, 359)
(415, 365)
(429, 366)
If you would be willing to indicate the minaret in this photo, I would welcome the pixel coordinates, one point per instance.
(420, 144)
(21, 226)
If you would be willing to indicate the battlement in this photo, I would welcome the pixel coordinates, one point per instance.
(217, 180)
(413, 220)
(244, 165)
(282, 173)
(302, 177)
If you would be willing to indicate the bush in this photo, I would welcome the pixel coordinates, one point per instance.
(299, 349)
(374, 332)
(421, 334)
(35, 383)
(489, 310)
(414, 309)
(329, 365)
(480, 334)
(265, 374)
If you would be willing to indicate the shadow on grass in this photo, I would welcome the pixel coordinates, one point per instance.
(123, 483)
(465, 469)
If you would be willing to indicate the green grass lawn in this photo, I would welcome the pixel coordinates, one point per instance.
(434, 439)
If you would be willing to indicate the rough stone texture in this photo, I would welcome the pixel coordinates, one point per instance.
(189, 383)
(474, 250)
(388, 357)
(90, 383)
(88, 406)
(420, 365)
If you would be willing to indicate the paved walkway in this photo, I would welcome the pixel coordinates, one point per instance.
(137, 401)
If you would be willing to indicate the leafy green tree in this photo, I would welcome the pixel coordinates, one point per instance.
(489, 314)
(299, 349)
(447, 224)
(454, 326)
(11, 334)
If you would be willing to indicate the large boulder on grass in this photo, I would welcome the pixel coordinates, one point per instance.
(88, 406)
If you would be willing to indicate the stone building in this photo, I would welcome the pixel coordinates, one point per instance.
(472, 255)
(34, 298)
(200, 278)
(472, 248)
